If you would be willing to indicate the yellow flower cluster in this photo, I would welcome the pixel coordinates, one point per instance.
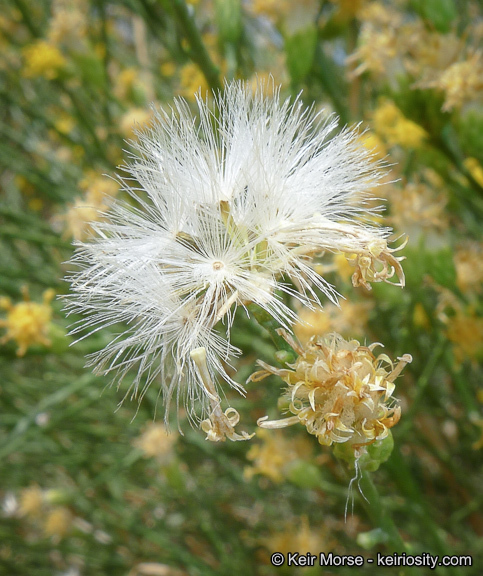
(339, 390)
(27, 323)
(390, 46)
(191, 81)
(379, 40)
(58, 522)
(348, 8)
(393, 127)
(69, 21)
(43, 58)
(373, 142)
(125, 81)
(31, 501)
(41, 506)
(462, 82)
(446, 63)
(464, 325)
(270, 8)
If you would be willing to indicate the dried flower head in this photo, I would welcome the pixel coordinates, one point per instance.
(339, 390)
(226, 208)
(220, 425)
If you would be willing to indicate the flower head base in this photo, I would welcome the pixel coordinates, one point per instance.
(339, 390)
(225, 212)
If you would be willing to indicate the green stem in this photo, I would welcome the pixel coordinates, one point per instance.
(412, 491)
(464, 392)
(199, 53)
(325, 71)
(13, 441)
(355, 101)
(29, 22)
(447, 144)
(105, 61)
(422, 384)
(271, 326)
(83, 117)
(376, 511)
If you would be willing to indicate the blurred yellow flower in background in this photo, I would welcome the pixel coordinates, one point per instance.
(125, 81)
(465, 331)
(156, 442)
(27, 322)
(57, 523)
(475, 169)
(191, 81)
(90, 207)
(43, 58)
(462, 82)
(349, 319)
(133, 120)
(31, 501)
(469, 267)
(393, 127)
(298, 536)
(69, 22)
(415, 205)
(274, 452)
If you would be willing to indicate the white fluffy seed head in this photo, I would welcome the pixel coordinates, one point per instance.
(227, 205)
